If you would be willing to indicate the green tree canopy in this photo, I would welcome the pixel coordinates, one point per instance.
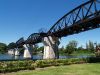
(90, 46)
(71, 47)
(3, 48)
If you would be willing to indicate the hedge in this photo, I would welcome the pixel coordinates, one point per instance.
(13, 66)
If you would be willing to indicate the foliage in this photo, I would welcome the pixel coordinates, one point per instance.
(3, 48)
(40, 49)
(93, 59)
(58, 62)
(81, 48)
(61, 50)
(35, 49)
(71, 47)
(13, 66)
(90, 46)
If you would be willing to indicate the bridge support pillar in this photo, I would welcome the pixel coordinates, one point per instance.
(17, 52)
(51, 47)
(27, 51)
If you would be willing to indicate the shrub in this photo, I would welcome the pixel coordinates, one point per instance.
(93, 59)
(58, 62)
(13, 66)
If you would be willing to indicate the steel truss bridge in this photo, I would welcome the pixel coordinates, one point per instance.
(82, 18)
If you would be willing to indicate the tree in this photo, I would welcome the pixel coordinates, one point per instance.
(61, 50)
(3, 48)
(41, 49)
(35, 49)
(90, 46)
(87, 46)
(71, 47)
(80, 48)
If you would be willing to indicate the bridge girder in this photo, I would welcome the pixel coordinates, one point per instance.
(75, 20)
(82, 18)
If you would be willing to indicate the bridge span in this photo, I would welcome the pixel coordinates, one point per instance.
(82, 18)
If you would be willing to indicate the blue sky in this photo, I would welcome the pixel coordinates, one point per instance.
(20, 18)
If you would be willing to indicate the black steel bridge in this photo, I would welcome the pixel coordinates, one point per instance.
(82, 18)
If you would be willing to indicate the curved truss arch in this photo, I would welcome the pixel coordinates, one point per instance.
(35, 38)
(20, 42)
(81, 15)
(82, 18)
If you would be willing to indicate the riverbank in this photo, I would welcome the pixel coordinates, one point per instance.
(75, 69)
(80, 53)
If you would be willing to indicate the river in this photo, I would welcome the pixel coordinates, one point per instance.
(35, 57)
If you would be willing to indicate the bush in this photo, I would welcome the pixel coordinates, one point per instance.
(93, 59)
(43, 63)
(13, 66)
(58, 62)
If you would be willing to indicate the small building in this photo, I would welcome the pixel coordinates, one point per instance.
(97, 51)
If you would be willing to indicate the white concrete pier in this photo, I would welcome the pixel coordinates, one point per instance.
(17, 52)
(27, 51)
(51, 47)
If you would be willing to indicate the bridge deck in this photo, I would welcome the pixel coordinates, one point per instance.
(81, 26)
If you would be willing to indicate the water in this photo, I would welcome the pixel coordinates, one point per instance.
(35, 57)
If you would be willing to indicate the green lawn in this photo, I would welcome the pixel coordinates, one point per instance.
(76, 69)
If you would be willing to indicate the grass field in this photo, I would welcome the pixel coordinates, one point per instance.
(76, 69)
